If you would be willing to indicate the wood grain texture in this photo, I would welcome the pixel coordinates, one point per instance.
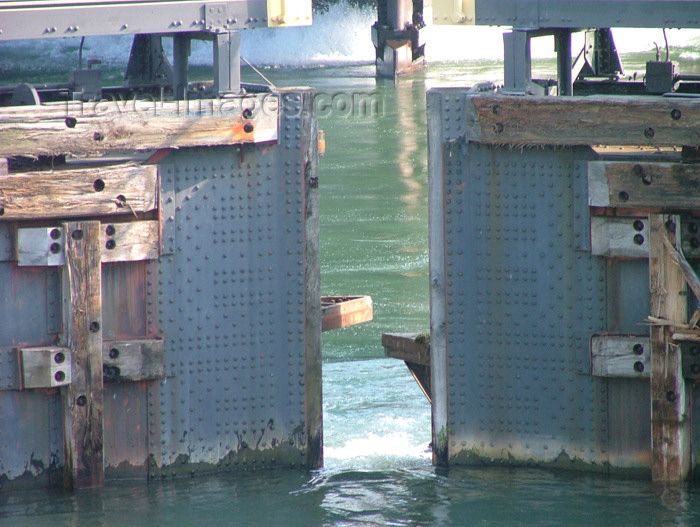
(620, 356)
(133, 360)
(102, 127)
(130, 242)
(84, 398)
(619, 237)
(599, 120)
(670, 424)
(668, 186)
(128, 188)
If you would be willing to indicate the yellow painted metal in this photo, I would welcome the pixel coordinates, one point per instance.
(452, 12)
(282, 13)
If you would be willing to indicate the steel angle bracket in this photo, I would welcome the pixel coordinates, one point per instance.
(282, 13)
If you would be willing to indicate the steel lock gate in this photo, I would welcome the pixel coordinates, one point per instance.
(563, 295)
(160, 308)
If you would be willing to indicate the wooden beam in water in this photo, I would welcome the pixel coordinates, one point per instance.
(83, 399)
(342, 311)
(128, 188)
(670, 421)
(598, 120)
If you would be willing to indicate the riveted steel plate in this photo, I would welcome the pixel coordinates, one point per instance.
(522, 296)
(232, 307)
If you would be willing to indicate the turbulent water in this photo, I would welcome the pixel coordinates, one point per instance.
(374, 241)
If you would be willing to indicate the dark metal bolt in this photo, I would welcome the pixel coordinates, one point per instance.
(671, 396)
(247, 113)
(639, 367)
(55, 248)
(670, 226)
(649, 133)
(638, 225)
(675, 114)
(98, 185)
(623, 196)
(59, 357)
(55, 234)
(110, 244)
(113, 353)
(496, 109)
(71, 122)
(59, 376)
(638, 239)
(248, 128)
(77, 235)
(110, 230)
(98, 136)
(638, 349)
(81, 400)
(497, 128)
(94, 327)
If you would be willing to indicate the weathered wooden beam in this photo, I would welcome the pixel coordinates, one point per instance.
(410, 347)
(83, 399)
(342, 311)
(44, 367)
(619, 237)
(101, 127)
(620, 356)
(670, 187)
(130, 242)
(133, 360)
(599, 120)
(79, 192)
(670, 422)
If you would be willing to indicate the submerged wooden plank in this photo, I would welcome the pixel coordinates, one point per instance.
(620, 356)
(619, 237)
(102, 127)
(130, 242)
(667, 186)
(84, 398)
(97, 191)
(342, 311)
(133, 360)
(670, 423)
(598, 120)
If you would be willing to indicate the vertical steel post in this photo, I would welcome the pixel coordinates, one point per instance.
(181, 53)
(562, 40)
(227, 62)
(517, 64)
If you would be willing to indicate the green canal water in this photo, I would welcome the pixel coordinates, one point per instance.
(374, 240)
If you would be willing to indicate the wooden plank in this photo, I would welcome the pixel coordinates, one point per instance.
(343, 311)
(620, 356)
(133, 360)
(83, 399)
(667, 186)
(619, 237)
(598, 120)
(128, 188)
(670, 422)
(44, 367)
(409, 347)
(130, 242)
(101, 127)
